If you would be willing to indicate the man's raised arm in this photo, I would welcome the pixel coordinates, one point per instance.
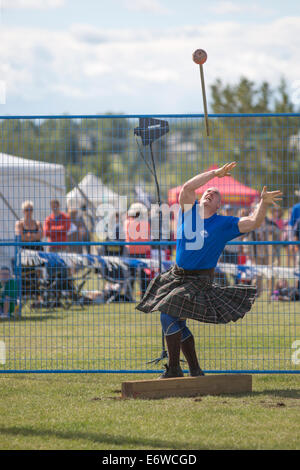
(187, 194)
(253, 221)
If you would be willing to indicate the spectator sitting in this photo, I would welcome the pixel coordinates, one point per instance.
(284, 292)
(56, 226)
(78, 231)
(28, 229)
(8, 293)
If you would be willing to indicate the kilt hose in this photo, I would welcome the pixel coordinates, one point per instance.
(192, 294)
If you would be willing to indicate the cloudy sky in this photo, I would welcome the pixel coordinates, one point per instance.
(134, 56)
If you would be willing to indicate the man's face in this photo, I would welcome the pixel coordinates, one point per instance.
(4, 275)
(211, 199)
(55, 207)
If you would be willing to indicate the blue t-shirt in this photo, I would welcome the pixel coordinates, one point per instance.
(203, 251)
(295, 215)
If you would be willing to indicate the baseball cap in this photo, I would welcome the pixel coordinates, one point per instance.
(135, 208)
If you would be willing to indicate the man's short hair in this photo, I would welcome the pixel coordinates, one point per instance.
(54, 201)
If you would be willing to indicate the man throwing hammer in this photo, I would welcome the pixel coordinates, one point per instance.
(187, 290)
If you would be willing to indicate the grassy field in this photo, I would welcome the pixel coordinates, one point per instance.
(118, 337)
(84, 411)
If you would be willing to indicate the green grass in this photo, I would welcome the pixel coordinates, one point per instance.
(84, 411)
(118, 337)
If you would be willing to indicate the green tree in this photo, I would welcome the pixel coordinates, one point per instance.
(260, 144)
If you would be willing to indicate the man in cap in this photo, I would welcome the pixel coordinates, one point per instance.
(137, 229)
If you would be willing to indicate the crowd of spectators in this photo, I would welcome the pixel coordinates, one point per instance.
(58, 227)
(274, 228)
(78, 225)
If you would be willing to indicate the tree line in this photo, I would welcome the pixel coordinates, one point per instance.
(267, 148)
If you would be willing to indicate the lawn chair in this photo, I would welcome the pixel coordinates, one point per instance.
(117, 275)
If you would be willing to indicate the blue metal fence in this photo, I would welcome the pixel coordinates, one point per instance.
(75, 305)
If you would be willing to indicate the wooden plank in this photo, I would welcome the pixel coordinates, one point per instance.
(188, 386)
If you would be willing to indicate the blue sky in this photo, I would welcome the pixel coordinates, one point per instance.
(134, 56)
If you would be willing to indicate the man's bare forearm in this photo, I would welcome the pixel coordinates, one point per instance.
(199, 180)
(259, 214)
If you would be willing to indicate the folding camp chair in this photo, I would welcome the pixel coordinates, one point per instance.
(117, 274)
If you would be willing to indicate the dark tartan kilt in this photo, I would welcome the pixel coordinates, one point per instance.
(193, 295)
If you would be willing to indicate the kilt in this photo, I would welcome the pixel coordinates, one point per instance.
(193, 294)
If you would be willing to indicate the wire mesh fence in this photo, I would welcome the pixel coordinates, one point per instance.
(75, 190)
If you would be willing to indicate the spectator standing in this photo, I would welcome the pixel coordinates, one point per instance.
(114, 250)
(294, 216)
(88, 220)
(279, 233)
(56, 226)
(263, 255)
(8, 293)
(165, 234)
(28, 229)
(230, 252)
(78, 231)
(137, 229)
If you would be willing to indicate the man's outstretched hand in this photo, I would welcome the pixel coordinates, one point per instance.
(270, 197)
(225, 170)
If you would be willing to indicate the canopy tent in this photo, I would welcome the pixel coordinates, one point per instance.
(91, 188)
(20, 180)
(232, 191)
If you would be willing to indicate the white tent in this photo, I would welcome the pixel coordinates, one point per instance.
(96, 192)
(22, 180)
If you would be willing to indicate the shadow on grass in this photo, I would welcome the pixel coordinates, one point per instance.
(282, 393)
(95, 437)
(35, 317)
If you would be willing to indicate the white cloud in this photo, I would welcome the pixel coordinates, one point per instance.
(153, 75)
(32, 4)
(142, 71)
(147, 6)
(93, 69)
(225, 7)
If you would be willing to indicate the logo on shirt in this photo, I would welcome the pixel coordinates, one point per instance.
(204, 233)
